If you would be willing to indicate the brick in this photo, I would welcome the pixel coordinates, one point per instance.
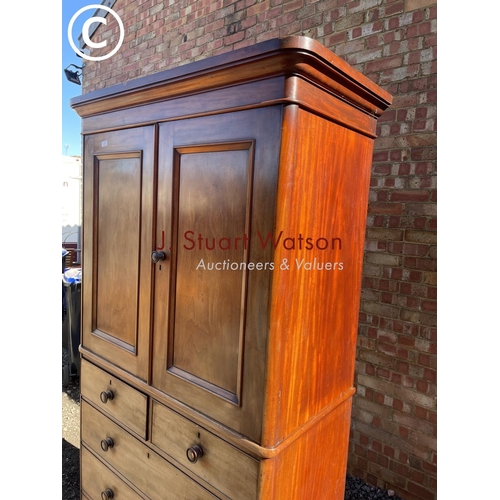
(415, 140)
(383, 64)
(429, 305)
(418, 4)
(414, 249)
(381, 310)
(422, 386)
(395, 8)
(157, 8)
(399, 73)
(430, 375)
(392, 350)
(429, 467)
(417, 476)
(385, 208)
(385, 234)
(373, 408)
(424, 440)
(406, 341)
(377, 358)
(349, 21)
(410, 196)
(426, 346)
(423, 153)
(411, 396)
(336, 39)
(383, 259)
(427, 360)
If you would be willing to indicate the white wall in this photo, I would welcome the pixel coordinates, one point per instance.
(71, 199)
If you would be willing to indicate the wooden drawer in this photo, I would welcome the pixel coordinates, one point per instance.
(97, 478)
(127, 405)
(222, 465)
(149, 472)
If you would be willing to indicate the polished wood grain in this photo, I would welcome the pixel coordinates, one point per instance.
(213, 217)
(289, 56)
(313, 467)
(174, 434)
(117, 240)
(246, 95)
(117, 227)
(150, 473)
(309, 97)
(128, 405)
(97, 478)
(323, 192)
(257, 157)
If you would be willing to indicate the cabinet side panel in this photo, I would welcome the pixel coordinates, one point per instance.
(321, 217)
(314, 466)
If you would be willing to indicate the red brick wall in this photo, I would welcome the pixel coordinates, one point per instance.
(393, 42)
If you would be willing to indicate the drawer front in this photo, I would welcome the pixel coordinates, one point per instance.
(149, 472)
(126, 404)
(98, 479)
(222, 465)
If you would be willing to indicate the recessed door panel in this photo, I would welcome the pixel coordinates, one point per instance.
(213, 215)
(117, 242)
(217, 178)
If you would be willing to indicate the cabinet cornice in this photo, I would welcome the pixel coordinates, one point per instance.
(295, 56)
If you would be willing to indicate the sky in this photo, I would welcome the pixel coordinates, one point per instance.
(71, 123)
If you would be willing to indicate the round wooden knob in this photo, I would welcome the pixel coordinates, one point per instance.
(106, 396)
(194, 453)
(106, 444)
(107, 494)
(157, 256)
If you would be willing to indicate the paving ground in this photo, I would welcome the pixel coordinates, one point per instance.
(70, 439)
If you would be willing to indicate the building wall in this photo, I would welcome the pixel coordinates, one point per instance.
(393, 42)
(71, 199)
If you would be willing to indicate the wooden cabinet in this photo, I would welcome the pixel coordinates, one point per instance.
(224, 216)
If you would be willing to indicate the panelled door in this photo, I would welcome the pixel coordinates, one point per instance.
(117, 242)
(217, 178)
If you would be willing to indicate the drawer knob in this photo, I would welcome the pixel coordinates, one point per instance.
(158, 256)
(106, 396)
(107, 494)
(194, 453)
(106, 444)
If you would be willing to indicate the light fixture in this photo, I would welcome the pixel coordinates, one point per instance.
(73, 76)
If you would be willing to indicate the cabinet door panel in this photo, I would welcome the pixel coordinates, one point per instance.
(117, 241)
(118, 198)
(216, 191)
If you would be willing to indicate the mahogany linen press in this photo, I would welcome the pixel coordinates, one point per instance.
(225, 207)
